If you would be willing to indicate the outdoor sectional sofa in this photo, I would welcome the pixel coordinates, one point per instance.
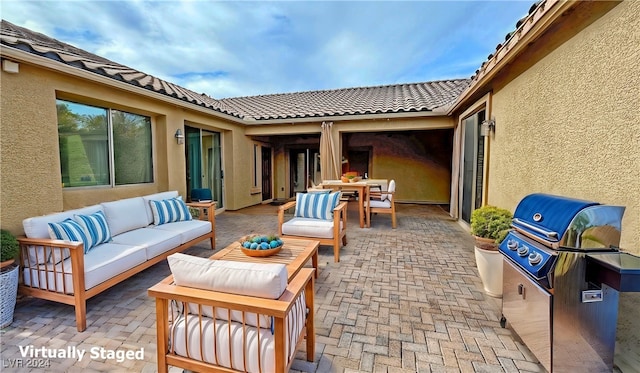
(121, 238)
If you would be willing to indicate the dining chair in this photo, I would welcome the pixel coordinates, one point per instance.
(383, 202)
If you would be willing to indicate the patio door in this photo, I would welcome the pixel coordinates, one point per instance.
(204, 163)
(472, 165)
(304, 167)
(267, 192)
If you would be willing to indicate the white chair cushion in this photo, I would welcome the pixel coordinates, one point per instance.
(392, 188)
(156, 197)
(188, 230)
(204, 339)
(125, 215)
(263, 280)
(316, 205)
(169, 211)
(386, 204)
(306, 227)
(154, 241)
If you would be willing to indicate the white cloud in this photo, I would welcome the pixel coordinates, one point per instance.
(228, 49)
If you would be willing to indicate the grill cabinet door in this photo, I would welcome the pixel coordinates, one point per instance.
(527, 308)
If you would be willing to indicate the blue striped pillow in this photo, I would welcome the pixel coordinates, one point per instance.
(169, 211)
(69, 230)
(316, 205)
(95, 227)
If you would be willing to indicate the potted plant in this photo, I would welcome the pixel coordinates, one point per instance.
(9, 249)
(489, 226)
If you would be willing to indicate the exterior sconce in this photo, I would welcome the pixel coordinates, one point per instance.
(179, 137)
(487, 127)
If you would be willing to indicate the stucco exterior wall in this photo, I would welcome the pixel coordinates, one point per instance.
(30, 161)
(420, 164)
(570, 124)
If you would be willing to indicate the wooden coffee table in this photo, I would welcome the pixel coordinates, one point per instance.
(295, 254)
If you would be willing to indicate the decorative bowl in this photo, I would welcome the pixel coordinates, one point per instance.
(261, 245)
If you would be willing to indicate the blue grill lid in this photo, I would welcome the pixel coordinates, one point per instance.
(538, 213)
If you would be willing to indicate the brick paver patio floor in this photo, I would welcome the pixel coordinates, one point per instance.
(403, 300)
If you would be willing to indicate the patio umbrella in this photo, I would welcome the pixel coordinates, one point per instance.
(328, 161)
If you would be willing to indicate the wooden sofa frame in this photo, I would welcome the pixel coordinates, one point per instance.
(166, 293)
(76, 249)
(339, 232)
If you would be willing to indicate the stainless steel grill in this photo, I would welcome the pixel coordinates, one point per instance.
(563, 318)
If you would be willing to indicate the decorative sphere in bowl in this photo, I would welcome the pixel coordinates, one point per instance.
(261, 245)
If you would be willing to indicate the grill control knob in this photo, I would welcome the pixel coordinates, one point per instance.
(512, 244)
(523, 251)
(535, 258)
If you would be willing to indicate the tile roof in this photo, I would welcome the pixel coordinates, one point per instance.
(398, 98)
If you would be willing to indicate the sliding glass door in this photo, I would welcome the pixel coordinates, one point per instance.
(204, 162)
(304, 168)
(472, 166)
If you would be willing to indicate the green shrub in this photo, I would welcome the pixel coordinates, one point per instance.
(9, 246)
(491, 222)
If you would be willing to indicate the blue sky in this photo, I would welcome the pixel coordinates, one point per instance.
(246, 48)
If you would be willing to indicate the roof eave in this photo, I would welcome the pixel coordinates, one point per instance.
(60, 67)
(534, 25)
(350, 117)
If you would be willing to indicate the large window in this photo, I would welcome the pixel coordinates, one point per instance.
(101, 146)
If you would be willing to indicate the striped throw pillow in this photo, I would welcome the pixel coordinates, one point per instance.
(95, 227)
(69, 230)
(316, 205)
(169, 211)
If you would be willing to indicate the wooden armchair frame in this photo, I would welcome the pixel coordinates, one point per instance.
(339, 227)
(166, 292)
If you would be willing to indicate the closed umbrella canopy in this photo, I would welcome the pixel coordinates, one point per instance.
(328, 161)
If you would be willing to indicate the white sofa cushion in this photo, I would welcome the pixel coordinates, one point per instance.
(188, 230)
(169, 211)
(316, 205)
(37, 227)
(156, 197)
(154, 241)
(100, 264)
(306, 227)
(263, 280)
(125, 215)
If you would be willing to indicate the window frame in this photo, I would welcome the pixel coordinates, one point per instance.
(110, 109)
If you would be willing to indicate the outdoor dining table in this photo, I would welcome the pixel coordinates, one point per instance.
(363, 193)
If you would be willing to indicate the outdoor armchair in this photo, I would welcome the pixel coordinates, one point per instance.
(207, 324)
(383, 202)
(327, 224)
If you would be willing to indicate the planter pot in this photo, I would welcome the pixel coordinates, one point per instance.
(489, 263)
(6, 263)
(8, 294)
